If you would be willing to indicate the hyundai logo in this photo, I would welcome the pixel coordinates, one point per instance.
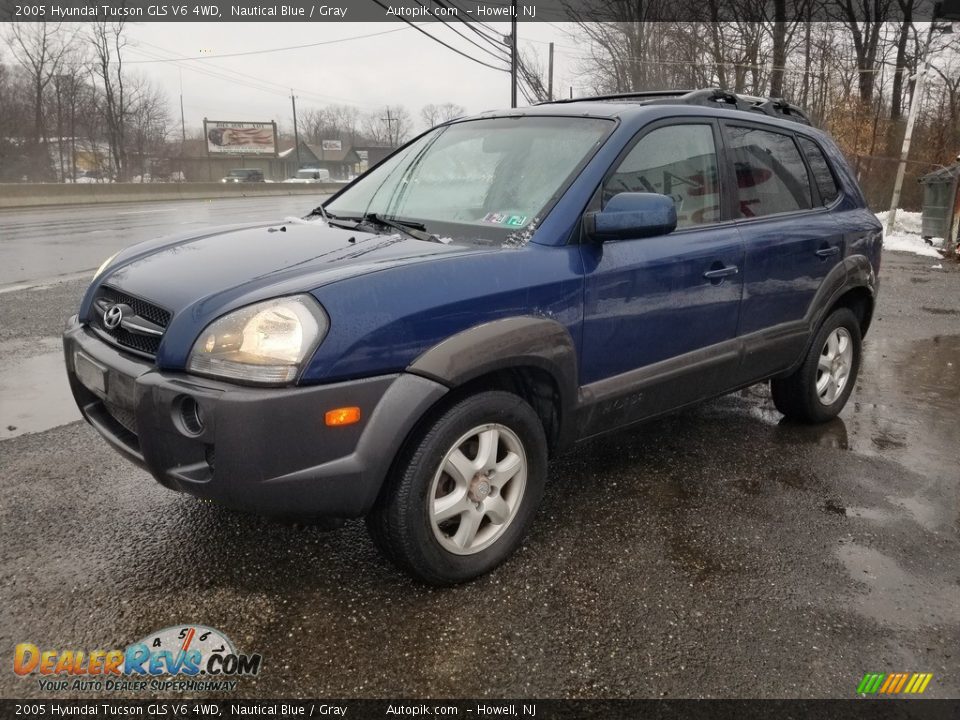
(112, 317)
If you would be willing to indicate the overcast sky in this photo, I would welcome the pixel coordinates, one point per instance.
(402, 67)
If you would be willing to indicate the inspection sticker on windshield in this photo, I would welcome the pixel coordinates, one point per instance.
(499, 218)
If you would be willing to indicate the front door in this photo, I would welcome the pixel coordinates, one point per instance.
(661, 313)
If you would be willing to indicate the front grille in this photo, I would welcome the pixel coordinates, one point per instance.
(144, 344)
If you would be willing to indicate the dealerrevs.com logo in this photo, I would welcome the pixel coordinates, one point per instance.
(184, 658)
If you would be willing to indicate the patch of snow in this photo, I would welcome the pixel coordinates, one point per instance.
(898, 242)
(907, 223)
(291, 220)
(906, 234)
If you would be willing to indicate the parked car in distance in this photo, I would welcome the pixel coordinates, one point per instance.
(310, 175)
(496, 291)
(243, 175)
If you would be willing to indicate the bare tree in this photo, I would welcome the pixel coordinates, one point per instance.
(865, 21)
(389, 126)
(901, 68)
(148, 120)
(782, 30)
(436, 114)
(108, 40)
(332, 122)
(39, 48)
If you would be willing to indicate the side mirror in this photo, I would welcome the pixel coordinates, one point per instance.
(631, 215)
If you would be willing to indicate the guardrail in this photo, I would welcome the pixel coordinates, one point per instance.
(20, 195)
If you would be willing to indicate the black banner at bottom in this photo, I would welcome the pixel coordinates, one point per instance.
(484, 709)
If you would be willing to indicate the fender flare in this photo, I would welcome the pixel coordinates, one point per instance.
(525, 341)
(854, 272)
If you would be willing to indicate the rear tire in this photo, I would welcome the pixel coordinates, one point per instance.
(464, 492)
(820, 387)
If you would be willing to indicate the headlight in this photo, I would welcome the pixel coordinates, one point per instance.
(265, 343)
(103, 265)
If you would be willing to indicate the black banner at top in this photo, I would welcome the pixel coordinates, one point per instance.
(487, 11)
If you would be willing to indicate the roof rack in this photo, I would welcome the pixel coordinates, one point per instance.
(640, 95)
(710, 97)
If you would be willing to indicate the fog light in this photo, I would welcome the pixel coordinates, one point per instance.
(191, 416)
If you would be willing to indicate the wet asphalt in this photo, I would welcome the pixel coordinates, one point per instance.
(45, 242)
(717, 552)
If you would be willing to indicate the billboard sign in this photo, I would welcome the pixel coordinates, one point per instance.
(331, 145)
(240, 138)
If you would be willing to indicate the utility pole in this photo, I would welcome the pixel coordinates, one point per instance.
(390, 120)
(183, 131)
(911, 119)
(296, 134)
(513, 53)
(550, 75)
(183, 124)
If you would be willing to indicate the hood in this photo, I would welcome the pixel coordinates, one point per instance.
(260, 261)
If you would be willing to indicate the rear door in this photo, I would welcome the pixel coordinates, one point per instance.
(660, 313)
(791, 242)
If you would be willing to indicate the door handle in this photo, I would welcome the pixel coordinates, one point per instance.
(722, 272)
(826, 252)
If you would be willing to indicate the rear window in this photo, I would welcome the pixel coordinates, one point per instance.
(771, 176)
(822, 175)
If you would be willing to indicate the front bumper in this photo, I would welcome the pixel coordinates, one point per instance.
(262, 449)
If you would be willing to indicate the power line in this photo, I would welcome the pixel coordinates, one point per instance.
(457, 32)
(280, 49)
(245, 79)
(478, 27)
(436, 39)
(211, 74)
(469, 40)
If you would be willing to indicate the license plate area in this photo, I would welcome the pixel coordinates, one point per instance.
(90, 373)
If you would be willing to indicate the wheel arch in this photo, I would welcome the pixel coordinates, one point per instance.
(532, 357)
(851, 283)
(860, 301)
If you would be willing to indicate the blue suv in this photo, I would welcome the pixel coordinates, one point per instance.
(496, 291)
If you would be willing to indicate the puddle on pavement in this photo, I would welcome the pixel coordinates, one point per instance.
(893, 595)
(34, 392)
(905, 404)
(831, 434)
(932, 368)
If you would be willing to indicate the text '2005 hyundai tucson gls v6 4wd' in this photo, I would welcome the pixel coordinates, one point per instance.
(497, 290)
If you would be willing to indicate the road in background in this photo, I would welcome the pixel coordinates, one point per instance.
(39, 244)
(719, 551)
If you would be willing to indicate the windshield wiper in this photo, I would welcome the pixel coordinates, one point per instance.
(321, 211)
(416, 230)
(330, 218)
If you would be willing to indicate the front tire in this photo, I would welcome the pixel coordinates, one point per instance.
(464, 492)
(820, 387)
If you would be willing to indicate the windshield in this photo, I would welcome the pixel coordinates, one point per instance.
(476, 180)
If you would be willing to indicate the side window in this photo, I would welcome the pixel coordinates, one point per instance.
(820, 168)
(771, 176)
(679, 161)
